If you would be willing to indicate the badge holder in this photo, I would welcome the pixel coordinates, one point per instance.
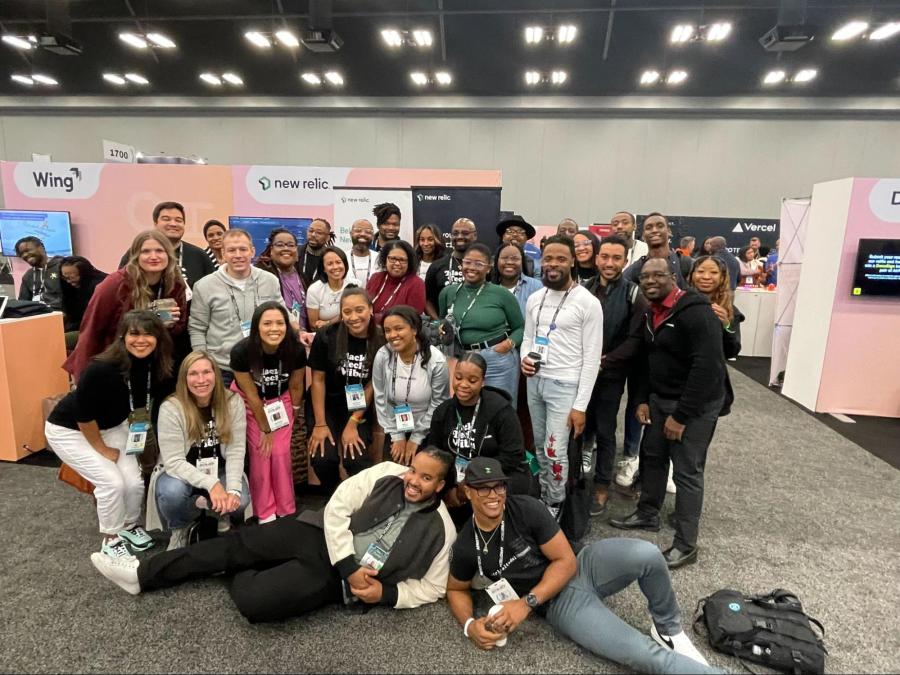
(501, 591)
(375, 556)
(461, 466)
(208, 466)
(138, 428)
(356, 397)
(276, 414)
(404, 418)
(245, 328)
(542, 346)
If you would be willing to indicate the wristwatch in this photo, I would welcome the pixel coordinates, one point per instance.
(532, 601)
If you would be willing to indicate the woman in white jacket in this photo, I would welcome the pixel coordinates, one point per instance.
(202, 440)
(410, 380)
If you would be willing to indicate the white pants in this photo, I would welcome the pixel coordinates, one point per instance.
(119, 487)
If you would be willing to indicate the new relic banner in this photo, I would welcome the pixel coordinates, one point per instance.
(110, 203)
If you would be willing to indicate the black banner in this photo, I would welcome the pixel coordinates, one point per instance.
(442, 206)
(737, 231)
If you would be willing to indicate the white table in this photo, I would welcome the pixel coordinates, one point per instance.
(758, 307)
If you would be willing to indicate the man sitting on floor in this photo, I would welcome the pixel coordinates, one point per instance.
(383, 538)
(513, 548)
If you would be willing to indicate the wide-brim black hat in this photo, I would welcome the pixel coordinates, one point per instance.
(515, 220)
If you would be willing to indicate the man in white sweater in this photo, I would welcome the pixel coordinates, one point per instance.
(561, 354)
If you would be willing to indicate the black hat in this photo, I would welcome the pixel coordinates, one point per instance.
(515, 220)
(484, 470)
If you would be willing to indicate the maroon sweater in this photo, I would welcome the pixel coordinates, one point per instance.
(411, 292)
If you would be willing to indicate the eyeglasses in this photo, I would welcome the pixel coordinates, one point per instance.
(644, 276)
(515, 229)
(485, 490)
(283, 244)
(477, 264)
(395, 260)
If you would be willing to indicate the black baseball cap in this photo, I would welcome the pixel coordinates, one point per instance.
(484, 470)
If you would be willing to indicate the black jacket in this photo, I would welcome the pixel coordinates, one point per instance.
(47, 282)
(731, 338)
(195, 264)
(622, 341)
(683, 359)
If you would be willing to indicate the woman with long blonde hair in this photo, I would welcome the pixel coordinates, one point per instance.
(150, 280)
(201, 432)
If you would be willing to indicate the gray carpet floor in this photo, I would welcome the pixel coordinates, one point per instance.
(789, 503)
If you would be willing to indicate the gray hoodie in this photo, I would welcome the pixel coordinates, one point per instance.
(219, 305)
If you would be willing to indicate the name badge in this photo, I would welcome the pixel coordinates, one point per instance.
(188, 293)
(137, 437)
(295, 312)
(461, 466)
(404, 417)
(542, 346)
(356, 397)
(276, 414)
(208, 466)
(374, 557)
(245, 328)
(38, 297)
(501, 591)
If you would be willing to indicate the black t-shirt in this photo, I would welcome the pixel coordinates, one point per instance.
(440, 274)
(272, 382)
(340, 369)
(209, 445)
(528, 526)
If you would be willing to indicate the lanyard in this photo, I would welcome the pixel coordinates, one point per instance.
(131, 395)
(35, 289)
(555, 314)
(368, 269)
(409, 379)
(459, 423)
(459, 322)
(391, 297)
(234, 302)
(290, 291)
(478, 545)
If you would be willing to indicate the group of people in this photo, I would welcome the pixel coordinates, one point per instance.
(442, 391)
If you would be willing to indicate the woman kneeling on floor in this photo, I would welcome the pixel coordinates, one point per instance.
(201, 432)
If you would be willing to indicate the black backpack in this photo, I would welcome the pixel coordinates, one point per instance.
(770, 629)
(575, 514)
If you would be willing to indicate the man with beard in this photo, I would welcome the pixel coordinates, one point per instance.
(681, 394)
(318, 236)
(42, 282)
(448, 270)
(561, 356)
(387, 219)
(384, 538)
(362, 263)
(657, 235)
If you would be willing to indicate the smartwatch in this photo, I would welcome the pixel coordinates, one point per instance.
(532, 601)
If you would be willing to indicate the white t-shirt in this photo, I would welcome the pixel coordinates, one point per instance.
(639, 249)
(423, 268)
(363, 267)
(576, 343)
(320, 296)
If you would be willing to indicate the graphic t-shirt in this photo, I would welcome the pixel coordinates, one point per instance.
(340, 369)
(272, 382)
(209, 445)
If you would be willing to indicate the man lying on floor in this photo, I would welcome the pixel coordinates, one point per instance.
(383, 538)
(514, 549)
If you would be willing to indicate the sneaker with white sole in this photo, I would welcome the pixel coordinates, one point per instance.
(627, 468)
(137, 538)
(179, 538)
(122, 571)
(670, 484)
(269, 519)
(679, 643)
(115, 548)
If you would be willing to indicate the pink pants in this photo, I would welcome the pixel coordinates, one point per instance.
(271, 478)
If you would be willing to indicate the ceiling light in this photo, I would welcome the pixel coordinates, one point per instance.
(565, 34)
(258, 38)
(134, 40)
(718, 31)
(17, 42)
(45, 79)
(682, 33)
(137, 79)
(883, 32)
(419, 78)
(676, 77)
(287, 38)
(805, 75)
(311, 78)
(115, 79)
(422, 38)
(534, 34)
(650, 77)
(443, 77)
(532, 77)
(774, 77)
(850, 30)
(161, 41)
(22, 79)
(392, 37)
(209, 78)
(558, 76)
(335, 78)
(231, 78)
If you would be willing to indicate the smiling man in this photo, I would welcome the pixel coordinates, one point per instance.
(363, 264)
(318, 237)
(448, 270)
(42, 282)
(657, 235)
(384, 538)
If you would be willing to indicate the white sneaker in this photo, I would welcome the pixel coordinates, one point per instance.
(627, 468)
(121, 570)
(679, 643)
(224, 523)
(270, 519)
(115, 548)
(179, 538)
(670, 484)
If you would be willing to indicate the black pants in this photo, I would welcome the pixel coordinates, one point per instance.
(280, 569)
(604, 411)
(327, 468)
(688, 463)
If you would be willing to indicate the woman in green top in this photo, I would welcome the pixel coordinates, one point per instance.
(487, 319)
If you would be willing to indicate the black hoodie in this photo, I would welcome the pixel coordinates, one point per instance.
(683, 359)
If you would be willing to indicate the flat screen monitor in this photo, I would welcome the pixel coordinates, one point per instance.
(54, 228)
(259, 228)
(877, 268)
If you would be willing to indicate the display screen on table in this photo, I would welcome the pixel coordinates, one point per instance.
(877, 268)
(54, 228)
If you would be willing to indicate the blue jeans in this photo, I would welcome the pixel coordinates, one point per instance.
(175, 499)
(502, 370)
(550, 402)
(605, 568)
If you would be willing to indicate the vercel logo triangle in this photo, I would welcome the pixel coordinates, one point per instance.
(737, 228)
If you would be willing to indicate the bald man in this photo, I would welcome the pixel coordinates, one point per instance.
(448, 270)
(362, 262)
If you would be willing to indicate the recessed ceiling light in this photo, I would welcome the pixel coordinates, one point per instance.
(287, 38)
(114, 79)
(22, 79)
(419, 78)
(718, 31)
(676, 77)
(650, 77)
(422, 38)
(558, 76)
(532, 77)
(682, 33)
(134, 40)
(209, 78)
(137, 79)
(334, 78)
(17, 42)
(311, 78)
(392, 37)
(45, 79)
(161, 41)
(231, 78)
(565, 34)
(774, 77)
(258, 38)
(805, 75)
(850, 30)
(885, 31)
(534, 34)
(443, 77)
